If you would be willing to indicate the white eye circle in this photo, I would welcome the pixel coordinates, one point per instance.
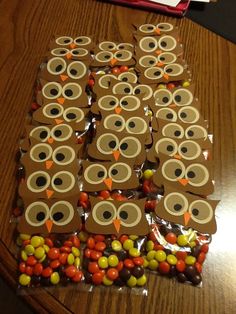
(166, 114)
(63, 155)
(197, 175)
(104, 56)
(52, 90)
(120, 172)
(61, 213)
(173, 69)
(154, 73)
(163, 97)
(201, 211)
(166, 146)
(40, 152)
(38, 181)
(147, 61)
(95, 173)
(165, 27)
(63, 181)
(60, 52)
(182, 97)
(36, 214)
(104, 213)
(143, 89)
(167, 43)
(107, 143)
(82, 40)
(72, 91)
(189, 150)
(173, 170)
(176, 204)
(196, 132)
(129, 214)
(56, 66)
(148, 44)
(189, 114)
(64, 40)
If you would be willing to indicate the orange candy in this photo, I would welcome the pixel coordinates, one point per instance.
(171, 238)
(198, 267)
(201, 258)
(105, 194)
(63, 258)
(128, 263)
(181, 255)
(38, 268)
(54, 253)
(55, 263)
(95, 255)
(47, 272)
(78, 276)
(205, 248)
(90, 243)
(180, 265)
(112, 273)
(97, 278)
(99, 238)
(93, 267)
(138, 261)
(164, 268)
(70, 271)
(100, 246)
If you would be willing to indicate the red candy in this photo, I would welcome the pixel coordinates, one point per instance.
(93, 267)
(83, 197)
(120, 266)
(105, 194)
(55, 263)
(99, 238)
(181, 255)
(171, 238)
(198, 267)
(90, 243)
(75, 241)
(54, 253)
(22, 267)
(48, 242)
(47, 272)
(115, 70)
(31, 260)
(138, 261)
(128, 263)
(180, 265)
(112, 273)
(201, 258)
(100, 246)
(97, 278)
(70, 271)
(78, 276)
(124, 68)
(164, 268)
(38, 268)
(29, 270)
(63, 258)
(95, 255)
(205, 248)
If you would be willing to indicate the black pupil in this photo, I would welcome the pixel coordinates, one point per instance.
(58, 181)
(42, 155)
(73, 71)
(162, 58)
(118, 123)
(58, 216)
(40, 216)
(119, 55)
(127, 90)
(151, 45)
(165, 100)
(178, 98)
(124, 103)
(151, 62)
(112, 144)
(79, 40)
(183, 115)
(71, 115)
(62, 52)
(121, 47)
(53, 92)
(131, 124)
(58, 133)
(157, 73)
(150, 28)
(163, 44)
(100, 174)
(123, 215)
(76, 52)
(106, 56)
(178, 172)
(106, 215)
(195, 212)
(191, 174)
(110, 47)
(177, 133)
(123, 146)
(177, 207)
(170, 148)
(169, 70)
(68, 92)
(161, 27)
(169, 116)
(184, 150)
(125, 79)
(137, 91)
(43, 134)
(58, 68)
(112, 103)
(66, 41)
(190, 133)
(54, 111)
(41, 181)
(114, 172)
(60, 156)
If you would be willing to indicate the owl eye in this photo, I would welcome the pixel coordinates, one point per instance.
(108, 102)
(130, 103)
(52, 110)
(173, 170)
(136, 125)
(122, 88)
(61, 213)
(167, 43)
(166, 146)
(58, 52)
(196, 132)
(63, 155)
(201, 211)
(166, 114)
(40, 152)
(129, 214)
(104, 80)
(197, 174)
(173, 69)
(52, 90)
(123, 55)
(82, 40)
(176, 204)
(182, 97)
(130, 147)
(63, 181)
(120, 172)
(148, 44)
(104, 213)
(79, 52)
(147, 61)
(167, 57)
(127, 77)
(189, 150)
(147, 28)
(72, 91)
(114, 122)
(64, 40)
(107, 143)
(36, 214)
(104, 56)
(76, 70)
(40, 133)
(189, 115)
(165, 27)
(61, 132)
(107, 45)
(56, 66)
(153, 73)
(73, 114)
(95, 173)
(38, 181)
(173, 130)
(125, 46)
(145, 90)
(163, 97)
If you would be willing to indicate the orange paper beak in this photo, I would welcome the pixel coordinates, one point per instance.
(72, 46)
(113, 61)
(59, 121)
(68, 56)
(116, 223)
(160, 64)
(116, 154)
(108, 183)
(118, 110)
(50, 140)
(177, 156)
(158, 31)
(183, 181)
(49, 164)
(187, 217)
(166, 76)
(158, 52)
(63, 77)
(61, 100)
(172, 106)
(49, 193)
(49, 224)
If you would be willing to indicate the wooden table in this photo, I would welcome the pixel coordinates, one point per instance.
(26, 28)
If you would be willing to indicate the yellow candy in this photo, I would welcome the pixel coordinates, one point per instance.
(150, 255)
(141, 280)
(149, 245)
(106, 281)
(132, 281)
(35, 241)
(160, 256)
(75, 251)
(153, 264)
(147, 174)
(42, 258)
(182, 240)
(186, 84)
(83, 236)
(46, 248)
(19, 241)
(103, 262)
(146, 263)
(161, 86)
(24, 255)
(128, 244)
(55, 278)
(113, 260)
(29, 249)
(70, 259)
(133, 237)
(39, 252)
(77, 262)
(134, 252)
(24, 236)
(192, 244)
(42, 240)
(24, 280)
(190, 260)
(171, 259)
(116, 245)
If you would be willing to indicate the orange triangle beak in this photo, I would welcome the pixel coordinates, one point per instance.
(116, 154)
(63, 77)
(108, 183)
(118, 110)
(166, 76)
(187, 217)
(72, 46)
(49, 193)
(172, 106)
(68, 56)
(160, 64)
(61, 100)
(113, 61)
(49, 224)
(49, 164)
(158, 31)
(59, 121)
(177, 156)
(183, 181)
(116, 223)
(158, 52)
(50, 140)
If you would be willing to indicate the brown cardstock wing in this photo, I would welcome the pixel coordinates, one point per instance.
(94, 225)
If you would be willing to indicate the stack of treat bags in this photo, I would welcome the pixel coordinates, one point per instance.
(115, 166)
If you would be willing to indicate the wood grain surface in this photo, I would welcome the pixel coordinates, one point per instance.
(26, 27)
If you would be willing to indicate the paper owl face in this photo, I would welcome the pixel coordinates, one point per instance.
(64, 93)
(50, 216)
(154, 30)
(188, 210)
(108, 175)
(69, 43)
(77, 54)
(184, 175)
(114, 146)
(115, 217)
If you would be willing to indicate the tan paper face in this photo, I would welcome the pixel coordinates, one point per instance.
(188, 210)
(187, 176)
(67, 42)
(115, 146)
(177, 148)
(50, 216)
(117, 217)
(105, 45)
(64, 93)
(108, 175)
(155, 29)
